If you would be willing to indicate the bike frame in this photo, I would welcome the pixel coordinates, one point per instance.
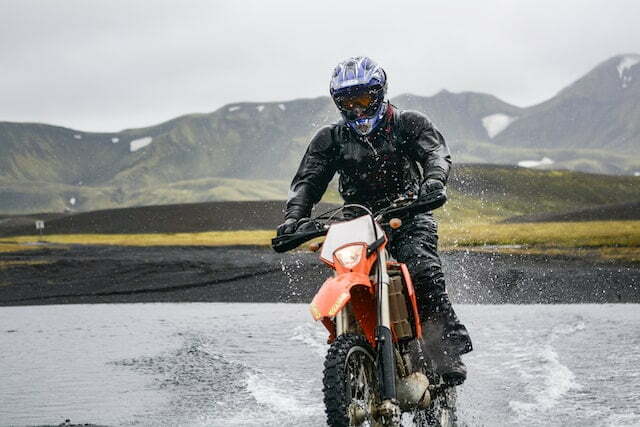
(353, 292)
(358, 298)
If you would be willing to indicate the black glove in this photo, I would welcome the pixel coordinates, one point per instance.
(433, 192)
(287, 227)
(290, 226)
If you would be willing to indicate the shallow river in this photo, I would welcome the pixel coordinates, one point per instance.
(260, 364)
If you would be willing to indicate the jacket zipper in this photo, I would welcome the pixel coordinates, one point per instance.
(371, 145)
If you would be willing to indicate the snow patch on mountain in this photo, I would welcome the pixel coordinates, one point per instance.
(234, 108)
(137, 144)
(624, 65)
(636, 174)
(115, 140)
(72, 201)
(260, 108)
(282, 107)
(77, 136)
(496, 123)
(535, 163)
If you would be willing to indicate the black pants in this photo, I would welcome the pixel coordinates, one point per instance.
(415, 244)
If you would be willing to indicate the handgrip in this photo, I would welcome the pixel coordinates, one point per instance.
(417, 207)
(291, 241)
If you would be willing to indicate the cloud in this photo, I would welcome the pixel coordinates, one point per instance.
(105, 65)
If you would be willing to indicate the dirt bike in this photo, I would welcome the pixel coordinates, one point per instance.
(376, 372)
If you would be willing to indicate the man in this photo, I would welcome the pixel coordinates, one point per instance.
(381, 152)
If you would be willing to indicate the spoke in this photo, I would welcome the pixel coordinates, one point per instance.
(361, 382)
(353, 380)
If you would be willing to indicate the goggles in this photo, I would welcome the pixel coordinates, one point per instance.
(363, 102)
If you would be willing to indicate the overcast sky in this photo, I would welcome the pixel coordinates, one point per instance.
(108, 65)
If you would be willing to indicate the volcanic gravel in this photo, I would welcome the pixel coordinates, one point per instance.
(620, 212)
(99, 274)
(179, 218)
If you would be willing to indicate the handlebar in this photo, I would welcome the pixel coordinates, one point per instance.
(413, 208)
(315, 228)
(291, 241)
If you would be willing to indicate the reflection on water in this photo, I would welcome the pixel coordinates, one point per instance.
(261, 364)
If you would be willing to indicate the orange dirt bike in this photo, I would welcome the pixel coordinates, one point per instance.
(376, 372)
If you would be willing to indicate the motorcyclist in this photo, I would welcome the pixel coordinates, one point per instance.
(380, 152)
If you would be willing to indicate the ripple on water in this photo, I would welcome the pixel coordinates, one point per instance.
(261, 365)
(220, 391)
(313, 336)
(546, 379)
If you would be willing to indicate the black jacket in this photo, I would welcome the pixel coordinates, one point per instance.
(404, 150)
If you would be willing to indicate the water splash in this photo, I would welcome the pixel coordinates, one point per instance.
(294, 273)
(547, 379)
(313, 336)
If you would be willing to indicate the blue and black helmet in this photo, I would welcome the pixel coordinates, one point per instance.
(358, 87)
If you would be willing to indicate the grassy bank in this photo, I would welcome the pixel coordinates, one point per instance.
(14, 246)
(603, 239)
(211, 238)
(591, 234)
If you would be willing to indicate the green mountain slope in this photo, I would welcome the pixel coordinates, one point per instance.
(37, 152)
(23, 198)
(592, 125)
(477, 193)
(459, 115)
(246, 140)
(494, 192)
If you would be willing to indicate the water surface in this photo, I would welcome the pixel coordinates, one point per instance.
(212, 364)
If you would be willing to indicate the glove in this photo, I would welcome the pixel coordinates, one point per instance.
(287, 227)
(433, 192)
(292, 225)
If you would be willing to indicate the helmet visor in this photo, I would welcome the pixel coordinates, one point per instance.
(361, 102)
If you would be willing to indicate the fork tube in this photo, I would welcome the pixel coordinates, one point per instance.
(342, 321)
(386, 363)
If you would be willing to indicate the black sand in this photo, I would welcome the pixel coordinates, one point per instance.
(618, 212)
(211, 216)
(180, 218)
(106, 274)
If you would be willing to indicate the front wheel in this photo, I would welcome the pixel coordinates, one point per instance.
(441, 413)
(350, 382)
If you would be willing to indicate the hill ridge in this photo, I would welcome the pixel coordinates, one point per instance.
(593, 125)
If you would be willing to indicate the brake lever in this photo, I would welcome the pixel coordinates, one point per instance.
(287, 242)
(410, 196)
(310, 226)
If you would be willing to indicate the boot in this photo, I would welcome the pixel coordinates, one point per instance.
(444, 350)
(452, 370)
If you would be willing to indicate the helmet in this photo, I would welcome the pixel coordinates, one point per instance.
(358, 87)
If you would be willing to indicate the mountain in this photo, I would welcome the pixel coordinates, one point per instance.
(244, 140)
(592, 125)
(466, 116)
(599, 111)
(476, 193)
(37, 152)
(250, 150)
(468, 121)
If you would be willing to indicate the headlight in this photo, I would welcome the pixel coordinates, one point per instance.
(349, 256)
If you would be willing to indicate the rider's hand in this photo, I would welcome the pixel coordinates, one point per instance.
(287, 227)
(433, 191)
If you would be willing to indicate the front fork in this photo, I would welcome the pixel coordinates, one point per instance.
(389, 409)
(386, 362)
